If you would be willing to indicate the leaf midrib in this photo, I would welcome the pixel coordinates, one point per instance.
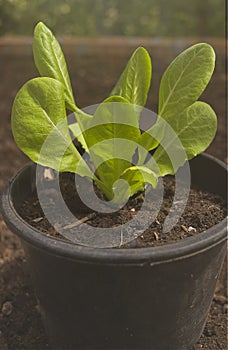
(177, 82)
(68, 144)
(60, 68)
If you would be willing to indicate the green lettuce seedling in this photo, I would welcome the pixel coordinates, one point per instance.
(40, 113)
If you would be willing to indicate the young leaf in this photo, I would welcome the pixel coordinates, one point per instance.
(112, 137)
(185, 79)
(40, 128)
(137, 176)
(50, 61)
(135, 80)
(195, 127)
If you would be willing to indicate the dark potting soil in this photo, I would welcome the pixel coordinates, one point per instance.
(203, 210)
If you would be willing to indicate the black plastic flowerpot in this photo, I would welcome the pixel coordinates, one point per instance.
(149, 298)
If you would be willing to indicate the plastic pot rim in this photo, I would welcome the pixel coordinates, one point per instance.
(131, 256)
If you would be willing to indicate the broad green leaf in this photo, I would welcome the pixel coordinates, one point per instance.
(182, 84)
(50, 61)
(40, 128)
(185, 79)
(137, 176)
(194, 130)
(135, 80)
(85, 121)
(111, 137)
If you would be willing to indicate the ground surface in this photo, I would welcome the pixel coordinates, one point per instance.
(94, 67)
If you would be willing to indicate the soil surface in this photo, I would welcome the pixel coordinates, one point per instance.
(203, 210)
(94, 75)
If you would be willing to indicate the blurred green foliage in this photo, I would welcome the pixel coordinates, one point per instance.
(151, 18)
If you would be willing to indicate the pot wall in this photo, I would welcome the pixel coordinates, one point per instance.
(157, 306)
